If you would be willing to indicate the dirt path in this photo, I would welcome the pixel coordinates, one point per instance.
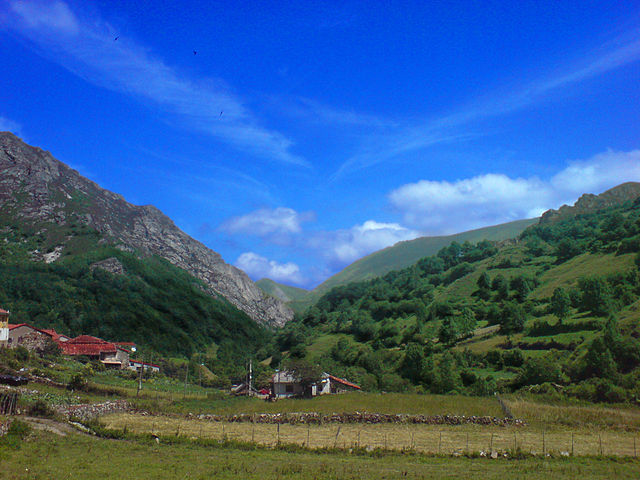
(50, 425)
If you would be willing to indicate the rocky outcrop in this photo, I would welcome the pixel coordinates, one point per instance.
(589, 202)
(37, 188)
(111, 265)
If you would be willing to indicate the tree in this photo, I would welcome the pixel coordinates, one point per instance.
(566, 249)
(306, 373)
(598, 361)
(537, 370)
(512, 318)
(447, 377)
(560, 304)
(484, 282)
(414, 363)
(596, 295)
(466, 323)
(448, 332)
(484, 286)
(521, 287)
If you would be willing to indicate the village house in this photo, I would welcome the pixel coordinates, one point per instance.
(108, 353)
(285, 384)
(4, 327)
(138, 364)
(29, 337)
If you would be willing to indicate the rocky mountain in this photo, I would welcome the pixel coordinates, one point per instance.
(589, 202)
(40, 191)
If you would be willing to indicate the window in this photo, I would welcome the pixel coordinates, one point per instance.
(289, 388)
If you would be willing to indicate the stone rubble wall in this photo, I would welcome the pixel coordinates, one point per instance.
(365, 418)
(94, 410)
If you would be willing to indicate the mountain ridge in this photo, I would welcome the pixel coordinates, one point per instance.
(37, 188)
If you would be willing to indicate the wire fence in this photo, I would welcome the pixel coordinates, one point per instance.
(419, 438)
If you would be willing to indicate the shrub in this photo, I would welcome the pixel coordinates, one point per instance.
(40, 409)
(78, 382)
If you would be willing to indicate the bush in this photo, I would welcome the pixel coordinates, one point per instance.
(78, 382)
(41, 409)
(513, 358)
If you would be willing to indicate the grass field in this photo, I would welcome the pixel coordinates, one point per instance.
(350, 402)
(45, 456)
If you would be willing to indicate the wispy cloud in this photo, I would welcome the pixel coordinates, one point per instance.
(317, 112)
(457, 126)
(441, 207)
(257, 267)
(267, 222)
(87, 48)
(341, 247)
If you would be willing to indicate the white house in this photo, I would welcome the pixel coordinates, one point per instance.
(138, 364)
(284, 384)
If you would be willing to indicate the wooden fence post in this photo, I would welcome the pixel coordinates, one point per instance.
(278, 434)
(600, 440)
(440, 443)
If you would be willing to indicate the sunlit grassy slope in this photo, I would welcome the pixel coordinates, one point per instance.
(404, 254)
(281, 291)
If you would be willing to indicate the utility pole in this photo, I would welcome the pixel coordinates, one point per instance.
(250, 376)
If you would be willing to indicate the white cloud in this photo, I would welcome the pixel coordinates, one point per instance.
(87, 48)
(258, 267)
(447, 207)
(267, 221)
(342, 247)
(54, 16)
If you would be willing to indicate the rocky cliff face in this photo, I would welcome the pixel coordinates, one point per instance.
(589, 202)
(38, 189)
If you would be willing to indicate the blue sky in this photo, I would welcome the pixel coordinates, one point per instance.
(302, 136)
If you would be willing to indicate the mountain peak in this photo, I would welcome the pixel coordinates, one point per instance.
(39, 190)
(588, 202)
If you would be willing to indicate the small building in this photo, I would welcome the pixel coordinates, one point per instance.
(139, 364)
(95, 348)
(27, 336)
(285, 384)
(4, 327)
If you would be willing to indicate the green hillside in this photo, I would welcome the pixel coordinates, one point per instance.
(555, 310)
(285, 293)
(403, 254)
(141, 299)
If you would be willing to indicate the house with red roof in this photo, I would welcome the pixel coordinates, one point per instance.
(108, 353)
(28, 336)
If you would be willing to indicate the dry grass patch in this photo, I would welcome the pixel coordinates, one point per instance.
(441, 439)
(563, 416)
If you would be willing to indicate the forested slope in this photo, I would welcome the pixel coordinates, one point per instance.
(557, 307)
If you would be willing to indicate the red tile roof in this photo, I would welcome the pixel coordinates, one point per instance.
(87, 345)
(344, 382)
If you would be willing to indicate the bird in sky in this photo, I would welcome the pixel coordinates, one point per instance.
(195, 53)
(220, 112)
(116, 39)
